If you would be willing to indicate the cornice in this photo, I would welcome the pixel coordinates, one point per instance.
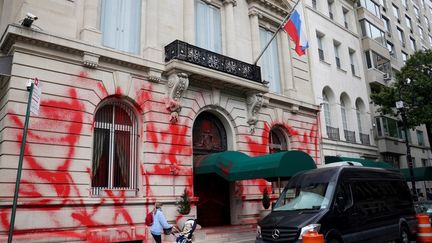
(18, 34)
(279, 7)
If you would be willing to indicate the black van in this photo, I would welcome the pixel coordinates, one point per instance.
(345, 204)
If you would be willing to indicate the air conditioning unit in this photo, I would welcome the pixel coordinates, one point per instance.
(403, 44)
(386, 76)
(391, 53)
(389, 34)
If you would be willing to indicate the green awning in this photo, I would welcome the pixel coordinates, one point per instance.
(420, 173)
(364, 162)
(234, 166)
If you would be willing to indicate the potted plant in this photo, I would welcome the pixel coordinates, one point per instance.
(183, 208)
(265, 202)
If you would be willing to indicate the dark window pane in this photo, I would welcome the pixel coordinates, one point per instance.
(121, 117)
(121, 166)
(100, 158)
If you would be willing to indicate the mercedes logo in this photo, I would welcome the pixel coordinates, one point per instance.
(275, 234)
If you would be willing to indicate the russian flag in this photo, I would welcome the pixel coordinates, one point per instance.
(295, 27)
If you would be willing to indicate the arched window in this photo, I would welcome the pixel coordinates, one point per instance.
(114, 148)
(277, 141)
(344, 115)
(327, 114)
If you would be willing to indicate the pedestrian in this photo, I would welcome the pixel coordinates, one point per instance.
(159, 223)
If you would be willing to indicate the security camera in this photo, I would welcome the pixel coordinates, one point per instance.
(28, 20)
(31, 16)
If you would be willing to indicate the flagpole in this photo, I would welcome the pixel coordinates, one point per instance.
(275, 33)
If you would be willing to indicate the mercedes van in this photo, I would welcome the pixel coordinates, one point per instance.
(343, 203)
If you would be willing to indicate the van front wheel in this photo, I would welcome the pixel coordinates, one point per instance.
(404, 235)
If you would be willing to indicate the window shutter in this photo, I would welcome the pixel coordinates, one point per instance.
(215, 26)
(208, 27)
(110, 20)
(270, 61)
(130, 26)
(120, 24)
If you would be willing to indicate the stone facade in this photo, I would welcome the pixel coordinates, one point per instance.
(79, 76)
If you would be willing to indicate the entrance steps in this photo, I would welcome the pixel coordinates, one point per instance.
(230, 233)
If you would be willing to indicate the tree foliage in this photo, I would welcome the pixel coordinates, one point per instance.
(413, 86)
(184, 204)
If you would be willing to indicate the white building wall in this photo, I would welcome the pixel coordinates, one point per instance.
(340, 81)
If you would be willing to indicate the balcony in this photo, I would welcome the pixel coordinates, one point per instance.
(185, 52)
(333, 133)
(376, 76)
(391, 145)
(364, 138)
(350, 136)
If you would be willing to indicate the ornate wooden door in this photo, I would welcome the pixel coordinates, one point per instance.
(213, 208)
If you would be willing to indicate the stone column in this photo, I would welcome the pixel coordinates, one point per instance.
(189, 21)
(152, 51)
(230, 26)
(287, 63)
(254, 26)
(90, 31)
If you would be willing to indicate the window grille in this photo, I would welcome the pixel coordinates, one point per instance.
(115, 143)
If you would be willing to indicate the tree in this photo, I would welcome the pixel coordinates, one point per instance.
(183, 204)
(413, 86)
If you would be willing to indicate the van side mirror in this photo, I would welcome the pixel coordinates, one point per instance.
(273, 205)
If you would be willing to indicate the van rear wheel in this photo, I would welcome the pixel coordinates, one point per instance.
(404, 235)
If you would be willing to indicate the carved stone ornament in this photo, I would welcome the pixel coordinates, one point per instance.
(90, 60)
(254, 103)
(177, 85)
(233, 2)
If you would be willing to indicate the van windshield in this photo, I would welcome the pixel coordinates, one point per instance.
(311, 196)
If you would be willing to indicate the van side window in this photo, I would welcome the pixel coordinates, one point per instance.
(344, 196)
(376, 197)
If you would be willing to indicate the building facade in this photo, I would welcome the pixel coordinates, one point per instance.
(338, 79)
(132, 99)
(391, 31)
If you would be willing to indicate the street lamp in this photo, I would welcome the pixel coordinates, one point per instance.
(400, 106)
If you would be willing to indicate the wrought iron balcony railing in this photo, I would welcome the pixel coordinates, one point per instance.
(183, 51)
(364, 138)
(333, 133)
(350, 136)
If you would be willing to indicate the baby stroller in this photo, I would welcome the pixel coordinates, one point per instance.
(185, 235)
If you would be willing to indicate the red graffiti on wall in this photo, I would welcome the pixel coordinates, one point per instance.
(259, 145)
(69, 115)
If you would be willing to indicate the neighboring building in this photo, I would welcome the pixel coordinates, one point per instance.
(338, 79)
(391, 31)
(127, 110)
